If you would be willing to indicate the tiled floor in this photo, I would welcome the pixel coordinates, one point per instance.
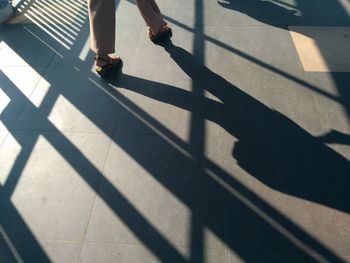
(229, 144)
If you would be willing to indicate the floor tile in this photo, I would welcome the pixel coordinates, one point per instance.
(59, 20)
(17, 84)
(50, 199)
(105, 253)
(3, 135)
(48, 251)
(233, 47)
(170, 98)
(109, 252)
(165, 68)
(67, 100)
(304, 192)
(132, 189)
(8, 251)
(150, 195)
(38, 51)
(216, 146)
(316, 13)
(243, 13)
(176, 5)
(128, 14)
(232, 13)
(323, 49)
(53, 13)
(166, 115)
(80, 56)
(283, 88)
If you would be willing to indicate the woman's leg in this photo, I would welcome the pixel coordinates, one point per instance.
(102, 26)
(151, 14)
(155, 7)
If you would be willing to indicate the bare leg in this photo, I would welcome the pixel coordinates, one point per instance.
(151, 14)
(102, 26)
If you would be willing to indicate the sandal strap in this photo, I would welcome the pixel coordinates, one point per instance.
(107, 59)
(164, 30)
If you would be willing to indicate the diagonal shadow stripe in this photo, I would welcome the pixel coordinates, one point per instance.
(131, 211)
(124, 209)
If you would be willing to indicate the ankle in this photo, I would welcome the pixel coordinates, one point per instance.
(102, 56)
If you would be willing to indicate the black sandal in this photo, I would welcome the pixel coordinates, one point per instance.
(110, 63)
(165, 32)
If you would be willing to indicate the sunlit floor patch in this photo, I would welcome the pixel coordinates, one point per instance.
(323, 49)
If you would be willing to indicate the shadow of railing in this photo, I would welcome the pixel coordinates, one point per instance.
(214, 197)
(62, 20)
(304, 14)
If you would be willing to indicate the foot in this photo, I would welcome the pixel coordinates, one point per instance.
(106, 62)
(164, 32)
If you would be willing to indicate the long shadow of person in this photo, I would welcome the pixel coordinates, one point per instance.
(271, 147)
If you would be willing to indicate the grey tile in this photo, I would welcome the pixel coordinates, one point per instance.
(157, 111)
(233, 257)
(275, 191)
(209, 255)
(104, 253)
(289, 161)
(132, 196)
(152, 191)
(334, 141)
(104, 225)
(261, 232)
(222, 13)
(241, 13)
(77, 55)
(280, 85)
(328, 85)
(314, 47)
(182, 17)
(60, 21)
(316, 13)
(160, 66)
(292, 100)
(38, 50)
(17, 83)
(50, 178)
(127, 40)
(167, 98)
(48, 250)
(163, 90)
(68, 100)
(176, 5)
(179, 12)
(128, 14)
(334, 105)
(234, 47)
(297, 186)
(80, 56)
(3, 135)
(8, 251)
